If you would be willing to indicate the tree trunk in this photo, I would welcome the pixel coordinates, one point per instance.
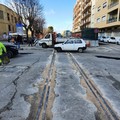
(27, 35)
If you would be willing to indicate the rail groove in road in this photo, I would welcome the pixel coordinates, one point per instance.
(41, 112)
(105, 106)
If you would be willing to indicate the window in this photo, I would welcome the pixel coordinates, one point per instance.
(104, 4)
(8, 17)
(113, 38)
(69, 42)
(47, 36)
(98, 20)
(9, 28)
(103, 18)
(78, 41)
(1, 14)
(99, 8)
(15, 20)
(12, 18)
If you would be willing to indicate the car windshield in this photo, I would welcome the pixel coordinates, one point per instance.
(112, 38)
(103, 37)
(68, 42)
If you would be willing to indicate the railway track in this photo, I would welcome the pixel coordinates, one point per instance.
(104, 106)
(43, 103)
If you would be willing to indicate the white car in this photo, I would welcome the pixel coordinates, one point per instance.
(117, 40)
(71, 45)
(106, 39)
(112, 40)
(103, 38)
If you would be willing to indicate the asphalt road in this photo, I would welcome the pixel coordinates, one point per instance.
(22, 80)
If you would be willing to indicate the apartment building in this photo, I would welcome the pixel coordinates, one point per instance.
(86, 14)
(101, 14)
(107, 17)
(76, 16)
(93, 10)
(82, 15)
(8, 20)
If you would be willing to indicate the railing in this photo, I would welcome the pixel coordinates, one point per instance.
(86, 7)
(86, 15)
(111, 20)
(113, 4)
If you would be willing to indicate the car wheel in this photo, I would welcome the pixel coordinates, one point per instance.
(59, 49)
(117, 43)
(10, 54)
(44, 45)
(80, 50)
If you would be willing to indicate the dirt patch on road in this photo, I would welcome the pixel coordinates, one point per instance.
(34, 101)
(51, 97)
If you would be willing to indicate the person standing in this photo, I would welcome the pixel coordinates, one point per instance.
(31, 41)
(18, 40)
(2, 51)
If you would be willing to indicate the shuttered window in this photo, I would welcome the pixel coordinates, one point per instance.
(1, 14)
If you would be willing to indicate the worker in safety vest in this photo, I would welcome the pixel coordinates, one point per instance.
(2, 49)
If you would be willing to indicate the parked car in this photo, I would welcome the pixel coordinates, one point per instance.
(11, 50)
(71, 45)
(112, 40)
(102, 38)
(106, 39)
(117, 40)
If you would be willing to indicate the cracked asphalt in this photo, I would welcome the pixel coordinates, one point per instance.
(18, 79)
(21, 80)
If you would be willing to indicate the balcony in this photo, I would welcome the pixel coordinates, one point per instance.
(113, 4)
(111, 20)
(87, 1)
(87, 7)
(85, 23)
(85, 16)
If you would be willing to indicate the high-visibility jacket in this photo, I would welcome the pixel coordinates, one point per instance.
(2, 48)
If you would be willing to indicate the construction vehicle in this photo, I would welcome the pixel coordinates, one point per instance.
(50, 39)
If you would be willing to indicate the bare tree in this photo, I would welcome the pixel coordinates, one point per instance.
(29, 11)
(39, 25)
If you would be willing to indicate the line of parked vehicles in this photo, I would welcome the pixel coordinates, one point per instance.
(66, 44)
(107, 39)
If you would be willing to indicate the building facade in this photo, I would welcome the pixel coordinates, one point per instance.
(86, 14)
(101, 14)
(82, 15)
(8, 20)
(76, 16)
(107, 17)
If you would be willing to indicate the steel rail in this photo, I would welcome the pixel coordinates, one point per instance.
(111, 115)
(45, 91)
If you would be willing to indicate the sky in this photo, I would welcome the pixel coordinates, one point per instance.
(58, 13)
